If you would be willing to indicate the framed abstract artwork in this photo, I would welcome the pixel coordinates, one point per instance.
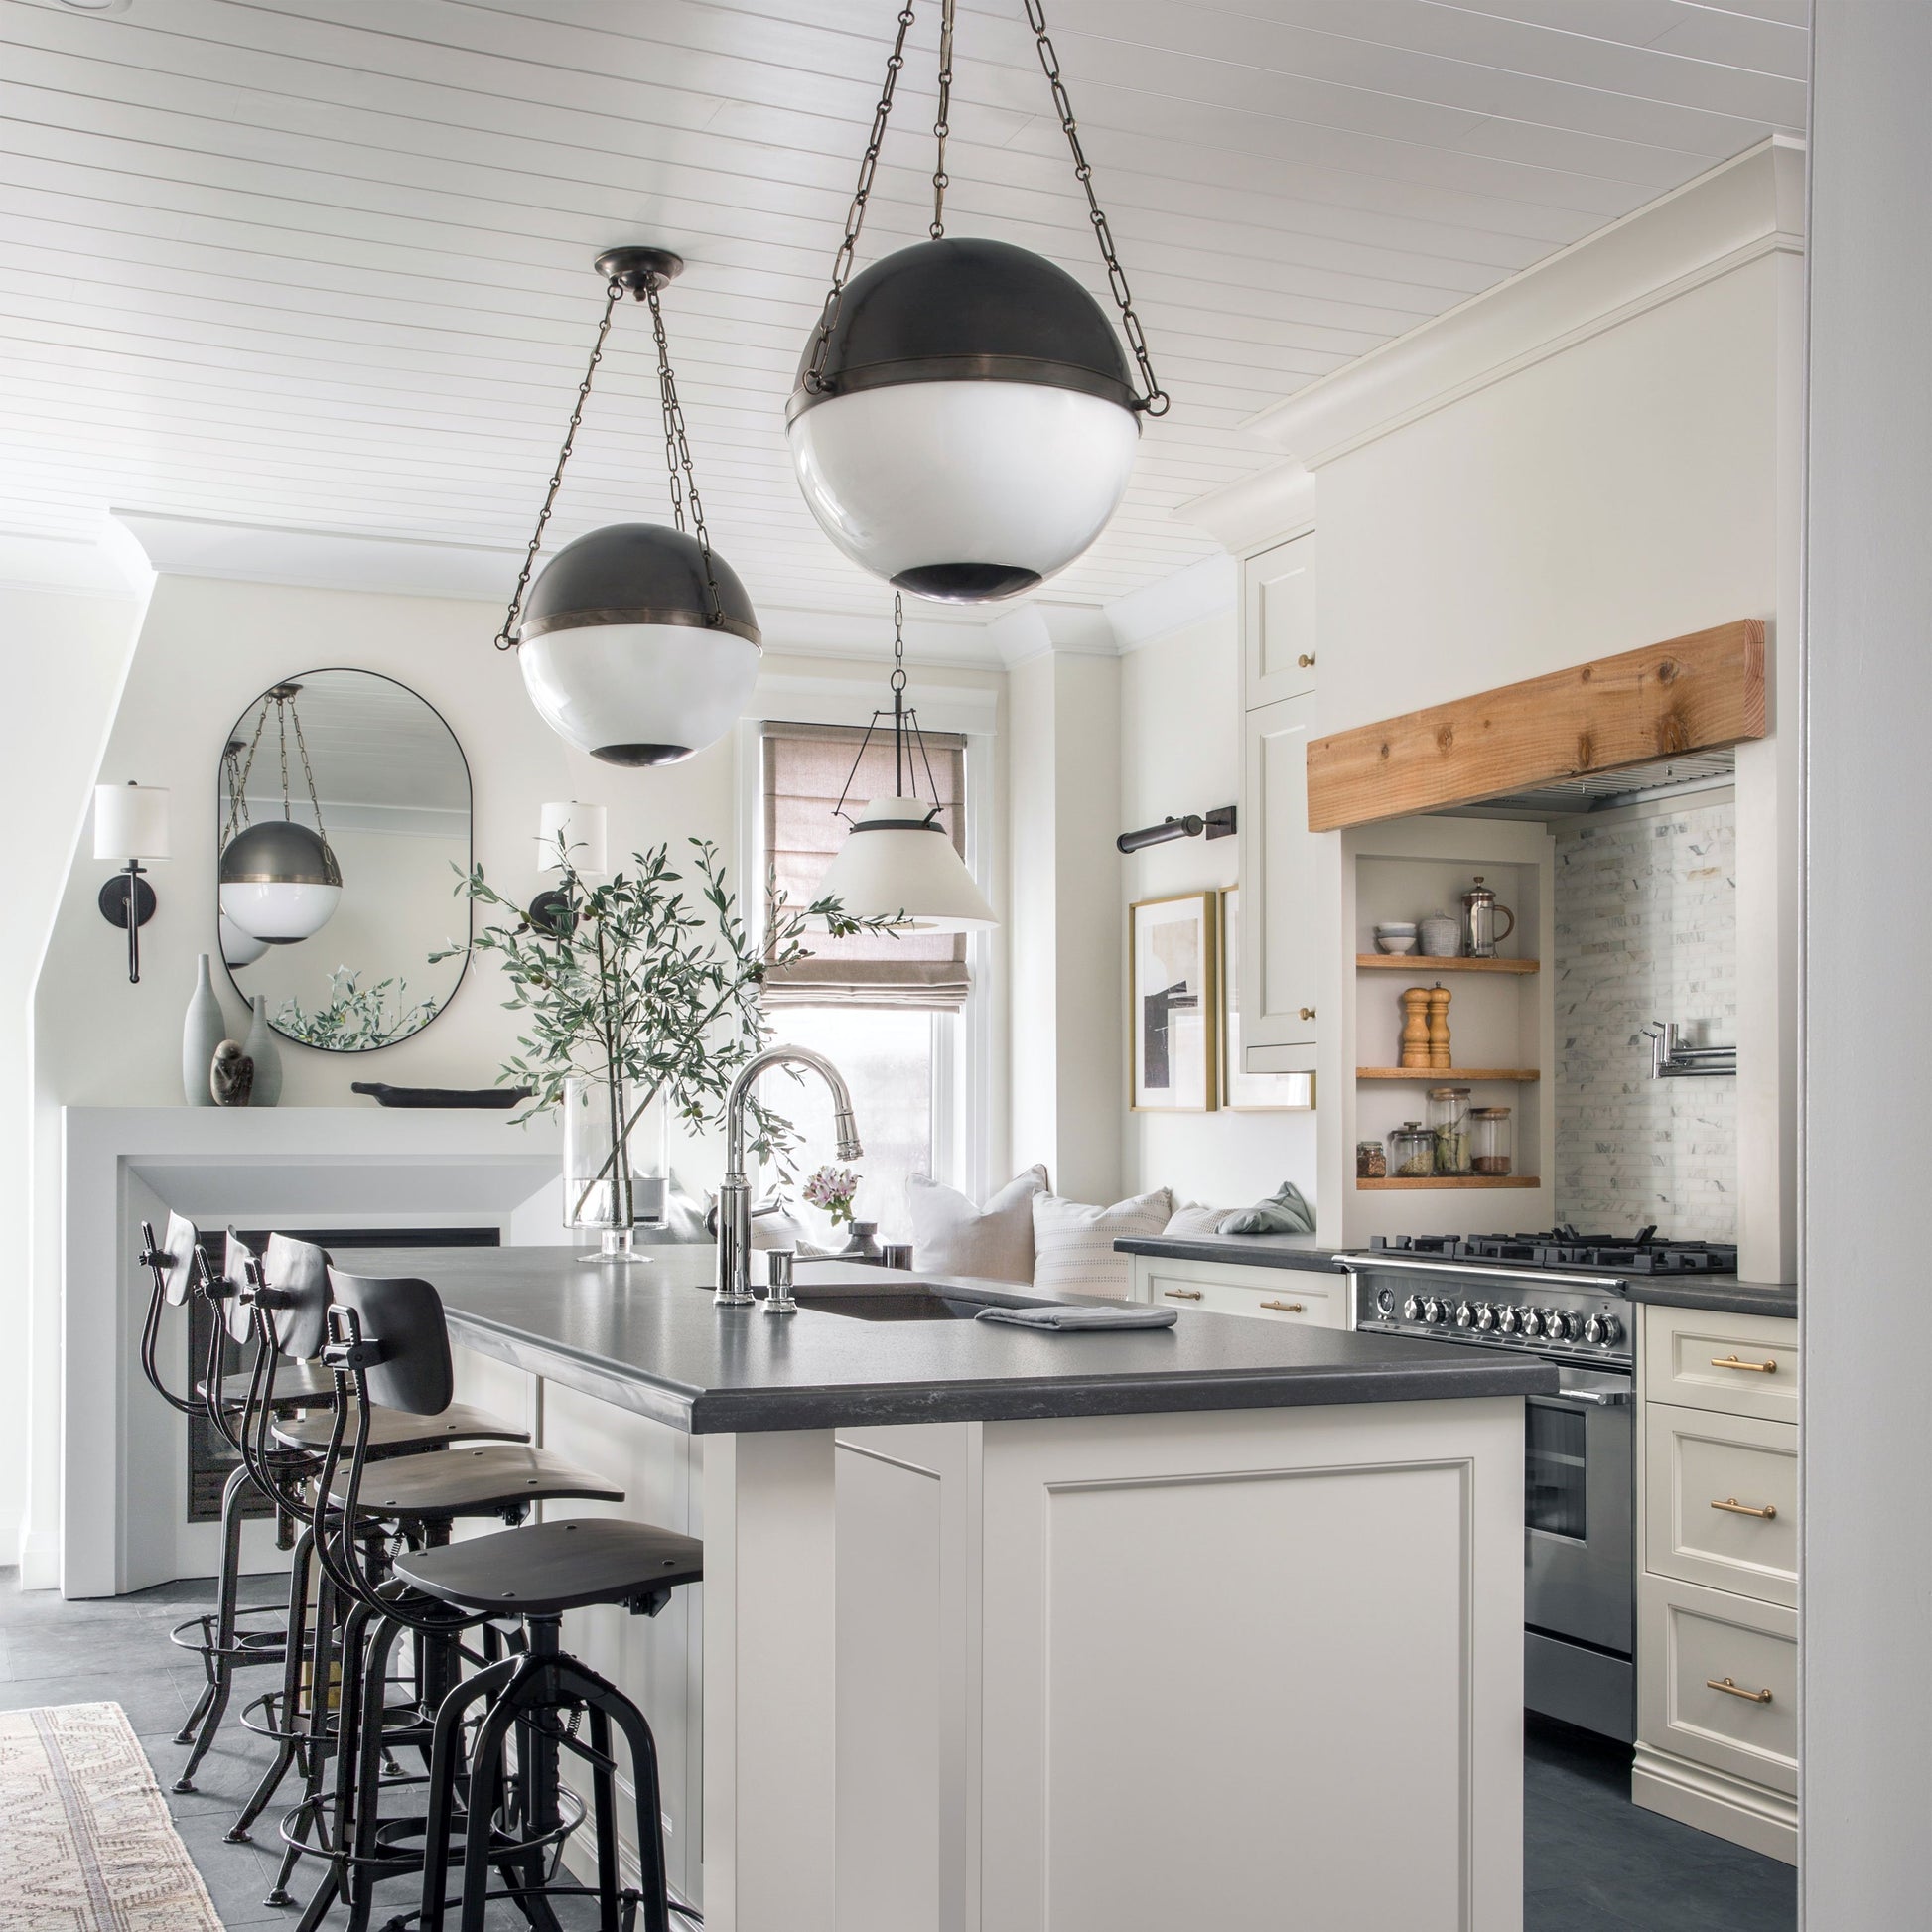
(1173, 1004)
(1243, 1092)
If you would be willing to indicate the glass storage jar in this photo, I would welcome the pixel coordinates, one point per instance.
(1489, 1141)
(1449, 1120)
(1412, 1152)
(1371, 1160)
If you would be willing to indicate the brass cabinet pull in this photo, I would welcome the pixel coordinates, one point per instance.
(1288, 1307)
(1307, 661)
(1731, 1690)
(1751, 1368)
(1744, 1509)
(1182, 1294)
(1308, 1012)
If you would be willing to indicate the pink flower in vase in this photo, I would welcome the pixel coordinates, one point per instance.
(832, 1189)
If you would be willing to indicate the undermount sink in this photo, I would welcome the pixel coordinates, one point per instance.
(893, 1298)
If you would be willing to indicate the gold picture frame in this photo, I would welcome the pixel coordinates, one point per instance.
(1243, 1092)
(1173, 1004)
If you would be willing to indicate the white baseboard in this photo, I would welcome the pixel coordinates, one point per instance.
(39, 1558)
(1710, 1801)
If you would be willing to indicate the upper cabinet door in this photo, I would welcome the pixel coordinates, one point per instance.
(1278, 622)
(1282, 932)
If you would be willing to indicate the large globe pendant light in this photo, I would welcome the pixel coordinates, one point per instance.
(280, 883)
(637, 644)
(898, 861)
(965, 419)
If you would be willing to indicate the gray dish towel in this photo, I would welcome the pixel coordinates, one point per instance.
(1067, 1319)
(1283, 1212)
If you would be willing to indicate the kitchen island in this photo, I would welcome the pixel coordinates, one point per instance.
(1011, 1630)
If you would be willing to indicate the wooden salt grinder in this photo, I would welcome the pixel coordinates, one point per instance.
(1415, 1027)
(1438, 1029)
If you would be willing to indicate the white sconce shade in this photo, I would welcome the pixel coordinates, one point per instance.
(897, 859)
(131, 822)
(582, 829)
(239, 948)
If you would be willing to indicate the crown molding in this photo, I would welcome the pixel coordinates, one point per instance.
(1737, 212)
(1206, 587)
(108, 566)
(1258, 510)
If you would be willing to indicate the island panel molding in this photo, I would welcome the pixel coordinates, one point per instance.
(1692, 693)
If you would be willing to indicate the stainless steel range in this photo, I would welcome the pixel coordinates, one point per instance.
(1561, 1296)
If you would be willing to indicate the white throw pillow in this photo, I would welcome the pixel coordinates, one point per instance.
(1073, 1244)
(1196, 1219)
(950, 1236)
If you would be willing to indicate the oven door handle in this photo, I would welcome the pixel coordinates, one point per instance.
(1377, 1259)
(1601, 1391)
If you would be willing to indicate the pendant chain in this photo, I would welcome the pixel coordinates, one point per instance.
(1156, 402)
(677, 456)
(940, 126)
(899, 641)
(302, 747)
(856, 216)
(247, 771)
(506, 638)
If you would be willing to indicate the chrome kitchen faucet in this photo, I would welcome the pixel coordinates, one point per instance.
(735, 1192)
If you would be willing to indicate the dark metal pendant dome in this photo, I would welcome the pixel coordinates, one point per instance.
(279, 852)
(636, 573)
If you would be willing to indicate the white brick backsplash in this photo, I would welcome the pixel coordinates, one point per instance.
(1646, 928)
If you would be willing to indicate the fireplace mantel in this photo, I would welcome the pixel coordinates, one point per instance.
(123, 1458)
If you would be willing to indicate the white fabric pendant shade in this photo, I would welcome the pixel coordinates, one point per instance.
(896, 860)
(577, 830)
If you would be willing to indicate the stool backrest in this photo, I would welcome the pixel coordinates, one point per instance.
(401, 1321)
(176, 1261)
(299, 1272)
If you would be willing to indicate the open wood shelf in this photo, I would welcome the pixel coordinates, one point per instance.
(1426, 963)
(1443, 1076)
(1450, 1180)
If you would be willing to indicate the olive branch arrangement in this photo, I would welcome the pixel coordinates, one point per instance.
(645, 983)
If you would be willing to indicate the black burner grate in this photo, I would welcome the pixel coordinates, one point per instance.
(1643, 1253)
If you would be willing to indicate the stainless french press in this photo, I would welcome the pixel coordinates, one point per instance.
(1480, 911)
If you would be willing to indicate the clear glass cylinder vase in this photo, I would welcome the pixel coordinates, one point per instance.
(612, 1193)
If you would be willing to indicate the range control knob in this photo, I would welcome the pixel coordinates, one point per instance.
(1412, 1309)
(1558, 1325)
(1465, 1315)
(1532, 1322)
(1486, 1316)
(1603, 1331)
(1510, 1320)
(1434, 1311)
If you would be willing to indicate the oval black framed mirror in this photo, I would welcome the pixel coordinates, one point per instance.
(343, 831)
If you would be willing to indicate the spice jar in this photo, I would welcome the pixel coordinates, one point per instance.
(1449, 1120)
(1412, 1152)
(1371, 1160)
(1489, 1140)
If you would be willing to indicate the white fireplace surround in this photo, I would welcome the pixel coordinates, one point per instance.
(123, 1453)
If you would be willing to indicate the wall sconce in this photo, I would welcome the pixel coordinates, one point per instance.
(571, 840)
(1218, 824)
(130, 824)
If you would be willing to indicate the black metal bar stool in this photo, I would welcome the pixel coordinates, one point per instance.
(361, 1509)
(390, 1345)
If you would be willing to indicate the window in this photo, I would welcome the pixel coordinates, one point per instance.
(886, 1011)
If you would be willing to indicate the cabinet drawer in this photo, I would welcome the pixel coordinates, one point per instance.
(1720, 1501)
(1271, 1293)
(1690, 1639)
(1743, 1364)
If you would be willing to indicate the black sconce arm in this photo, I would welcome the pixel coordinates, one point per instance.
(1217, 824)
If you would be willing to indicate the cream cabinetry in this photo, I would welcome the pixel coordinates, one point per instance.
(1717, 1588)
(1311, 1297)
(1280, 970)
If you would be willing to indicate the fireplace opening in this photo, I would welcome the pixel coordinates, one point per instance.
(211, 1460)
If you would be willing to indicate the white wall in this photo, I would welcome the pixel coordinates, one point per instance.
(1868, 1427)
(1180, 752)
(64, 656)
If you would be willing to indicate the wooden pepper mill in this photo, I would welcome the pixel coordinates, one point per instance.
(1438, 1029)
(1414, 1029)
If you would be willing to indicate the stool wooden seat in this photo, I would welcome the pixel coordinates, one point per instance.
(551, 1568)
(482, 1482)
(390, 1430)
(306, 1385)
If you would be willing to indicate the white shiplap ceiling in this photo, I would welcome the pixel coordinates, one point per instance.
(326, 263)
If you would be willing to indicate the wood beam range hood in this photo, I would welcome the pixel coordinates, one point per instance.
(1688, 694)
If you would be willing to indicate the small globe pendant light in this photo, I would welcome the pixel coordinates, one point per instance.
(892, 865)
(637, 644)
(280, 883)
(965, 420)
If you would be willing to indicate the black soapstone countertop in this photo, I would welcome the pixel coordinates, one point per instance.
(647, 1338)
(1250, 1250)
(1721, 1294)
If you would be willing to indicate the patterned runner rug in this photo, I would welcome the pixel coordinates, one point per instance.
(85, 1841)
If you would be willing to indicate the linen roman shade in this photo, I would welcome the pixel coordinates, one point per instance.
(807, 767)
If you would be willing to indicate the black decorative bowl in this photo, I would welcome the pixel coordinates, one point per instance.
(498, 1099)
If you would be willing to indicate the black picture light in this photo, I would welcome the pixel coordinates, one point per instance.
(1218, 824)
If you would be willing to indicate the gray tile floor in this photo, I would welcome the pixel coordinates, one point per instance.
(1595, 1863)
